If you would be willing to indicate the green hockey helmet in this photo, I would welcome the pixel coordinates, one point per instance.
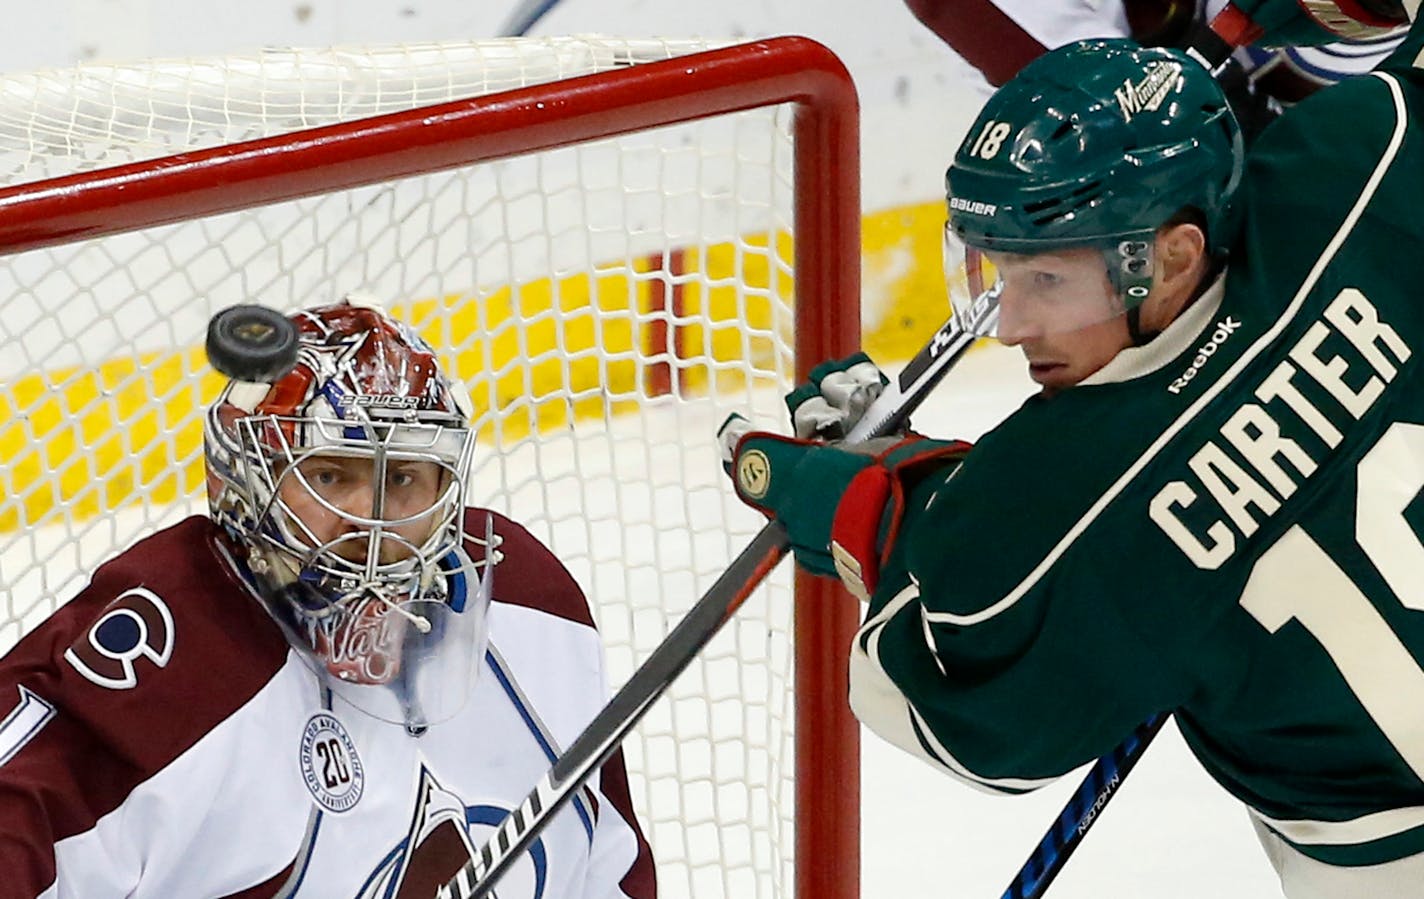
(1096, 145)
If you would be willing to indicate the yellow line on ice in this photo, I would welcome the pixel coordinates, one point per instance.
(77, 442)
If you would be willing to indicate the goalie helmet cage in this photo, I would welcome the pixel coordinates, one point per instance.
(603, 238)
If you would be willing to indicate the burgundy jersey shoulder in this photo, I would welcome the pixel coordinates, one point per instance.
(529, 575)
(162, 645)
(982, 34)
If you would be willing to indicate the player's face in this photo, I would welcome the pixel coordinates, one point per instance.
(331, 493)
(1061, 311)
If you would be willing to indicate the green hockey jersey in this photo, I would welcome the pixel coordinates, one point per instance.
(1227, 523)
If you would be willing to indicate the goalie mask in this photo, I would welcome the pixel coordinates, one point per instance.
(342, 489)
(1057, 192)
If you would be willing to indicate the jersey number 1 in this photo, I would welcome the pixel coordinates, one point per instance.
(1296, 579)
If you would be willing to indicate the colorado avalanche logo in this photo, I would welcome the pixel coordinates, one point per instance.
(444, 835)
(136, 625)
(330, 766)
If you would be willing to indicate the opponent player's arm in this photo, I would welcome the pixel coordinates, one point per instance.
(1306, 23)
(987, 37)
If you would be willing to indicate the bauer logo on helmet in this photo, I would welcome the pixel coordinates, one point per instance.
(973, 207)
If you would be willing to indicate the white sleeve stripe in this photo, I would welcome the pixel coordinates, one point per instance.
(23, 724)
(901, 599)
(881, 706)
(994, 784)
(1364, 829)
(1348, 225)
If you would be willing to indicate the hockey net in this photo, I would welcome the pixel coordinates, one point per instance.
(611, 263)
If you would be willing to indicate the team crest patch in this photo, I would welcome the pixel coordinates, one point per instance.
(330, 767)
(754, 474)
(136, 625)
(444, 836)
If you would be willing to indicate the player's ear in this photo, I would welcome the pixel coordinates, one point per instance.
(1181, 255)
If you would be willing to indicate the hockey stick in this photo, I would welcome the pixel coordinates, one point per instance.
(1083, 808)
(525, 16)
(1213, 46)
(478, 877)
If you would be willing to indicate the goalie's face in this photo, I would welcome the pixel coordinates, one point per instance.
(342, 484)
(337, 499)
(367, 524)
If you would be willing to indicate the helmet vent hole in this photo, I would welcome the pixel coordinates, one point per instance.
(1046, 212)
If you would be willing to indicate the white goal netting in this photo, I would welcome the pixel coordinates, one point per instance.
(608, 303)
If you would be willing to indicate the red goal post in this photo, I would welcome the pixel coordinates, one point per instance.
(824, 259)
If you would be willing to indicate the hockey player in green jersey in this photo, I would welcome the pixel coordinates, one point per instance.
(1214, 506)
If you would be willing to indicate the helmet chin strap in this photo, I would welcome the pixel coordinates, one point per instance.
(1138, 336)
(1130, 271)
(1134, 315)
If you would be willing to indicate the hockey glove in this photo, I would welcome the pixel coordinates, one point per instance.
(840, 504)
(835, 398)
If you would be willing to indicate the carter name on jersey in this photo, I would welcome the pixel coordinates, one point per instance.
(1274, 450)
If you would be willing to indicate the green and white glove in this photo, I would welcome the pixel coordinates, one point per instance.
(835, 398)
(837, 502)
(797, 482)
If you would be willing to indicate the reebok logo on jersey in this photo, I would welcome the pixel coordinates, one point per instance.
(1149, 93)
(1224, 329)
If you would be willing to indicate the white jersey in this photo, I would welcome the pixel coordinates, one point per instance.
(999, 37)
(160, 739)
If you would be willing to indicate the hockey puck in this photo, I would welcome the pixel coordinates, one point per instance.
(252, 343)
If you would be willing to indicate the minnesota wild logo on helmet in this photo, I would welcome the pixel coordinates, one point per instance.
(1096, 144)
